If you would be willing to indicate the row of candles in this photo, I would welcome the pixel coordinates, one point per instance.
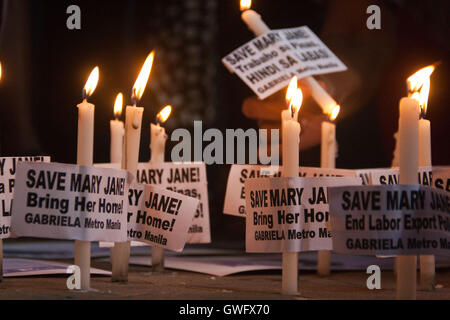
(124, 150)
(413, 149)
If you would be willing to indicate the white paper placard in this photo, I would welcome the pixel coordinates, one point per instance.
(390, 220)
(8, 167)
(366, 174)
(289, 214)
(160, 217)
(436, 177)
(267, 63)
(235, 195)
(63, 201)
(185, 178)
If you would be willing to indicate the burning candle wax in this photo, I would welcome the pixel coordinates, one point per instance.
(117, 132)
(157, 148)
(291, 148)
(133, 125)
(255, 23)
(408, 158)
(85, 156)
(419, 89)
(328, 152)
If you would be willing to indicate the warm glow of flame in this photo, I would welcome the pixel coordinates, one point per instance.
(118, 105)
(246, 4)
(141, 81)
(1, 71)
(92, 82)
(164, 114)
(419, 86)
(334, 112)
(296, 101)
(291, 89)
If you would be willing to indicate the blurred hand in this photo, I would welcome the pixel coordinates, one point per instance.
(268, 115)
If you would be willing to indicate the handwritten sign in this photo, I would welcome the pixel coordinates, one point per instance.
(8, 167)
(267, 63)
(289, 214)
(61, 201)
(159, 217)
(235, 192)
(390, 220)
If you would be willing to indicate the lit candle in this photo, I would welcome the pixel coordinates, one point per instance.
(133, 125)
(117, 132)
(85, 156)
(408, 160)
(291, 149)
(157, 148)
(117, 135)
(255, 23)
(328, 153)
(419, 89)
(158, 136)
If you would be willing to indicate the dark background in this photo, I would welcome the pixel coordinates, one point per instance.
(46, 66)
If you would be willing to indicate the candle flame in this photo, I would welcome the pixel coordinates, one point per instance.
(164, 114)
(291, 89)
(296, 102)
(118, 105)
(141, 81)
(419, 86)
(91, 83)
(246, 4)
(334, 112)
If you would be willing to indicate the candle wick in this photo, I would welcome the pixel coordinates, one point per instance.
(134, 97)
(422, 114)
(84, 94)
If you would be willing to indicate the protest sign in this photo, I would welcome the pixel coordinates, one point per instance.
(8, 168)
(268, 62)
(390, 220)
(188, 179)
(159, 217)
(289, 214)
(235, 193)
(61, 201)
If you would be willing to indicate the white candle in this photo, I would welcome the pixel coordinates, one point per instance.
(116, 140)
(157, 147)
(130, 159)
(85, 157)
(409, 164)
(117, 132)
(290, 169)
(328, 151)
(133, 124)
(291, 149)
(157, 143)
(418, 89)
(427, 262)
(255, 23)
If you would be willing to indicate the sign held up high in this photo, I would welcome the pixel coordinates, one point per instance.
(267, 63)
